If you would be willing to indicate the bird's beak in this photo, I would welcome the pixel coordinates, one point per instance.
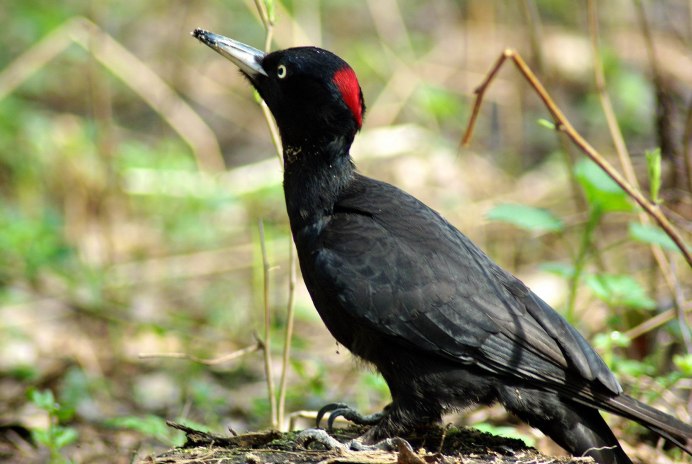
(248, 59)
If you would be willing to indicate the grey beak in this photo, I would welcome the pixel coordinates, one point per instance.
(248, 59)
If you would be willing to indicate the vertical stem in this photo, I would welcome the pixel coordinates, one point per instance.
(267, 328)
(580, 260)
(289, 332)
(277, 413)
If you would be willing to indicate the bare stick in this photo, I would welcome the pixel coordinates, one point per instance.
(267, 328)
(268, 23)
(288, 335)
(278, 419)
(207, 361)
(563, 124)
(653, 322)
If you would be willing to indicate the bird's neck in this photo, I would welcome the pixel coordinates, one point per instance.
(314, 176)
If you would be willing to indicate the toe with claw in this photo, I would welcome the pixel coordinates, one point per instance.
(321, 436)
(343, 410)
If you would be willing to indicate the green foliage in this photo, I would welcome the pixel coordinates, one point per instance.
(651, 235)
(271, 10)
(439, 103)
(653, 164)
(606, 343)
(563, 270)
(602, 193)
(619, 291)
(312, 375)
(526, 217)
(30, 243)
(684, 363)
(55, 437)
(542, 122)
(150, 426)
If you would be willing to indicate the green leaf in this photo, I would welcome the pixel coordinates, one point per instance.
(438, 102)
(64, 436)
(619, 291)
(42, 437)
(608, 341)
(563, 270)
(634, 368)
(684, 363)
(545, 123)
(653, 164)
(600, 190)
(43, 399)
(152, 426)
(271, 10)
(652, 235)
(526, 217)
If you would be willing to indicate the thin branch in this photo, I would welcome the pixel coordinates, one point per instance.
(606, 104)
(655, 322)
(273, 131)
(268, 23)
(288, 335)
(267, 328)
(278, 414)
(207, 361)
(563, 124)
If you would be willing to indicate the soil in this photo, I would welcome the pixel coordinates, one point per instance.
(432, 445)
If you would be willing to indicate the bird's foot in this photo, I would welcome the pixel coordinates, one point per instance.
(321, 436)
(343, 410)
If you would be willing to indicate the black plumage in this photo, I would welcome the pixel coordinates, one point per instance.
(403, 289)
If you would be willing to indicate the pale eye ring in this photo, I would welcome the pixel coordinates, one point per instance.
(281, 71)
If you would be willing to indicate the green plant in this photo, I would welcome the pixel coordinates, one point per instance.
(150, 426)
(54, 437)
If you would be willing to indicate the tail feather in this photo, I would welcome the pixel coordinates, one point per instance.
(668, 427)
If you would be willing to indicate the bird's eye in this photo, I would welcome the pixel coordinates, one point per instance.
(281, 71)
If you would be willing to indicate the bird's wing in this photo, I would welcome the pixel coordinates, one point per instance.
(397, 266)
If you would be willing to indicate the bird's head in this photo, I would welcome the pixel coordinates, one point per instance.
(313, 94)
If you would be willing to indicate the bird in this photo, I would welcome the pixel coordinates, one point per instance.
(404, 290)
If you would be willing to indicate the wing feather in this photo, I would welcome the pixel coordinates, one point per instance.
(399, 267)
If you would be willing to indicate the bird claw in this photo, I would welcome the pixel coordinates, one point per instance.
(343, 410)
(321, 436)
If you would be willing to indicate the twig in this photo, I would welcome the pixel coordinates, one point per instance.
(606, 104)
(268, 23)
(278, 419)
(267, 328)
(207, 361)
(533, 21)
(289, 332)
(654, 322)
(563, 124)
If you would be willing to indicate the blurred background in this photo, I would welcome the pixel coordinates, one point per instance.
(136, 166)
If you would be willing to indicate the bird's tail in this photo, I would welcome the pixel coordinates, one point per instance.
(668, 427)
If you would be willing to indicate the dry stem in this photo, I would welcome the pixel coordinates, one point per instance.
(267, 328)
(563, 124)
(207, 361)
